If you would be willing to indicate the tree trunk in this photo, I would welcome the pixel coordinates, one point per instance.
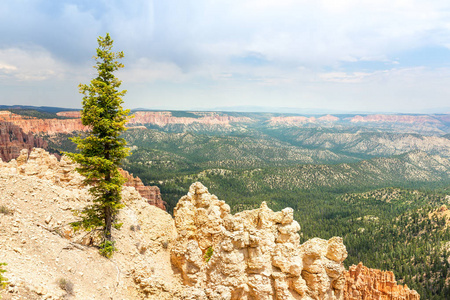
(108, 223)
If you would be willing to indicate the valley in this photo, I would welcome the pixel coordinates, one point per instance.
(380, 182)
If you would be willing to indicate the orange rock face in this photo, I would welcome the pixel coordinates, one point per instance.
(13, 139)
(365, 283)
(48, 126)
(151, 193)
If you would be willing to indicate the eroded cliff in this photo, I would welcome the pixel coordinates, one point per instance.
(253, 254)
(47, 126)
(365, 283)
(151, 193)
(13, 139)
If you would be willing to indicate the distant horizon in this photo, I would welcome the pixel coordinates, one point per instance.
(251, 109)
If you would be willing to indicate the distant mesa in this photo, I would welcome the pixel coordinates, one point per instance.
(47, 126)
(394, 119)
(293, 120)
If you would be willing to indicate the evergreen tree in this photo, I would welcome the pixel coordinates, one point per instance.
(102, 149)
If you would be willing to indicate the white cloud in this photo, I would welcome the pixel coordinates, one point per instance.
(29, 65)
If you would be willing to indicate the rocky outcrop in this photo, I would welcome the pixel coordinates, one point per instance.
(43, 165)
(13, 139)
(253, 254)
(151, 193)
(41, 249)
(47, 126)
(365, 283)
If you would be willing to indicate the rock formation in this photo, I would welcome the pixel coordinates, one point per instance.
(162, 118)
(151, 193)
(364, 283)
(43, 165)
(47, 126)
(253, 254)
(46, 166)
(40, 247)
(13, 139)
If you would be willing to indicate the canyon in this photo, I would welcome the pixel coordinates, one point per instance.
(204, 252)
(70, 121)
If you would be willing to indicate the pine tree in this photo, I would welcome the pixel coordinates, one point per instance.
(102, 149)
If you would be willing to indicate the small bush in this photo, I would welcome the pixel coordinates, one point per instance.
(5, 210)
(3, 280)
(66, 285)
(107, 249)
(208, 254)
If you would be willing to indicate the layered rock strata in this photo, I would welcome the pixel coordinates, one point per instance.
(47, 126)
(13, 139)
(253, 254)
(163, 118)
(151, 193)
(365, 283)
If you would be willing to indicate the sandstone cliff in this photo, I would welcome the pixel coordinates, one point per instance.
(296, 120)
(47, 126)
(13, 139)
(151, 193)
(365, 283)
(163, 118)
(409, 119)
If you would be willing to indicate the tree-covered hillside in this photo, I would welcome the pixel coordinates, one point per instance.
(340, 181)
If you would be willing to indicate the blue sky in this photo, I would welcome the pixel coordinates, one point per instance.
(341, 55)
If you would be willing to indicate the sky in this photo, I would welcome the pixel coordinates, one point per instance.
(297, 55)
